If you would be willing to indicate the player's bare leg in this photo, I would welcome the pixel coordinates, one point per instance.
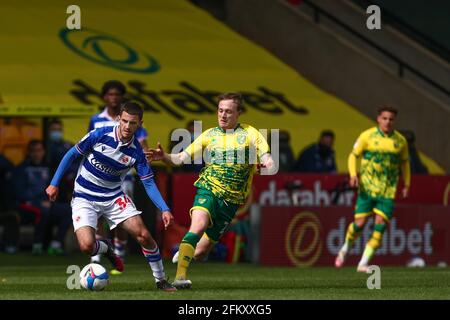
(90, 245)
(353, 231)
(135, 226)
(200, 220)
(373, 244)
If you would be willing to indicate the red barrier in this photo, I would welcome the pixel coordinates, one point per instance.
(312, 236)
(315, 190)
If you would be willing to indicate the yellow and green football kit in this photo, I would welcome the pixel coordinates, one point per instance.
(225, 182)
(383, 159)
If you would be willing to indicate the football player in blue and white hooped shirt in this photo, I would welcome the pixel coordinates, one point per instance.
(113, 92)
(108, 154)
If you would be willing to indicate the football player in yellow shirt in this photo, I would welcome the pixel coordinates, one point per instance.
(232, 152)
(384, 155)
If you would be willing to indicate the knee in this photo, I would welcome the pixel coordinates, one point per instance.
(144, 238)
(87, 247)
(360, 222)
(380, 220)
(199, 227)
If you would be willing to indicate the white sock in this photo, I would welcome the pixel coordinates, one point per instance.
(96, 258)
(119, 247)
(344, 248)
(154, 260)
(100, 247)
(364, 261)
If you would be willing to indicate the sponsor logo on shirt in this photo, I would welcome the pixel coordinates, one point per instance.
(104, 168)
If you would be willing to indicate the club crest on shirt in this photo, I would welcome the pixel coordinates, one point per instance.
(125, 159)
(241, 139)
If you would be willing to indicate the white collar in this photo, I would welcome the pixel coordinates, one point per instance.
(117, 139)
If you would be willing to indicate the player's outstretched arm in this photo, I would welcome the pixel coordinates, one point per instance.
(69, 157)
(154, 195)
(352, 169)
(406, 174)
(175, 159)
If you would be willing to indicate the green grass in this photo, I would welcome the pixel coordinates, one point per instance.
(24, 276)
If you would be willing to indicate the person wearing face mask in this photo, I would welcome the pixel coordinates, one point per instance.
(318, 157)
(57, 145)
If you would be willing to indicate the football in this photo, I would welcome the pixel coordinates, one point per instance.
(94, 277)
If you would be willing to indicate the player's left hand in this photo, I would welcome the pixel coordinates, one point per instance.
(405, 192)
(167, 218)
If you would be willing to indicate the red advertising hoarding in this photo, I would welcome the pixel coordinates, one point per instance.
(312, 236)
(307, 190)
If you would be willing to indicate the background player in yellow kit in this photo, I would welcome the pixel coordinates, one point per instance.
(384, 154)
(223, 184)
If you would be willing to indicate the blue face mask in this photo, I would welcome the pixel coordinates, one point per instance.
(56, 136)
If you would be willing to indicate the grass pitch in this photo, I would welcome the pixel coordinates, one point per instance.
(24, 276)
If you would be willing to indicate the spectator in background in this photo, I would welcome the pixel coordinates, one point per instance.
(8, 217)
(417, 167)
(31, 178)
(287, 159)
(318, 157)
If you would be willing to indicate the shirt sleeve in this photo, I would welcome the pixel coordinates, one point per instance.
(259, 142)
(143, 169)
(404, 154)
(195, 149)
(154, 194)
(66, 162)
(360, 145)
(146, 175)
(85, 145)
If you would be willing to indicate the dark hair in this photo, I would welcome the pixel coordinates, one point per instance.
(236, 97)
(34, 142)
(132, 108)
(327, 133)
(388, 109)
(55, 121)
(113, 84)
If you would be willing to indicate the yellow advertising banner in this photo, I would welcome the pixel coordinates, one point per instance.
(174, 60)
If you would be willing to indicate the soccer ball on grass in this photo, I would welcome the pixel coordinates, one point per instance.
(94, 277)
